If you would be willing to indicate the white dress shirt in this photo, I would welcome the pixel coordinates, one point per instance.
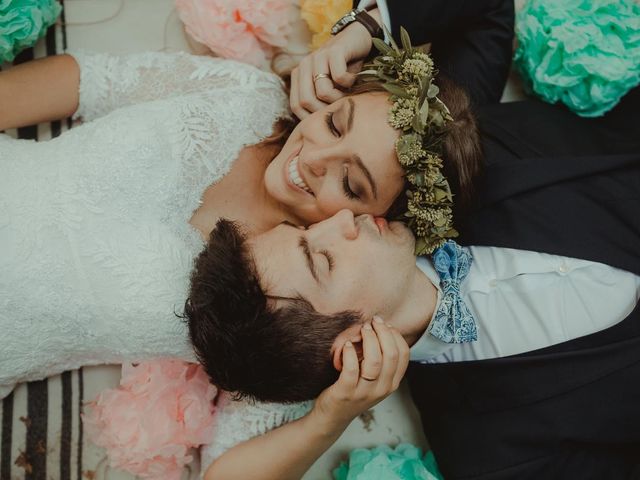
(523, 301)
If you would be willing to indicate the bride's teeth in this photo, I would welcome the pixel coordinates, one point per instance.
(294, 176)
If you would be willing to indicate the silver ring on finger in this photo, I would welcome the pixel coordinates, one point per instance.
(318, 76)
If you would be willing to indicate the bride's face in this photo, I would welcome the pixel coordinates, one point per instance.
(342, 156)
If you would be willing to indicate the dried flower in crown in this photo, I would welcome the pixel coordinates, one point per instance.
(407, 74)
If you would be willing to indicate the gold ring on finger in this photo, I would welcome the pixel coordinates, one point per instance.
(368, 379)
(318, 76)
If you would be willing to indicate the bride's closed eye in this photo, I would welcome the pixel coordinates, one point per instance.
(331, 125)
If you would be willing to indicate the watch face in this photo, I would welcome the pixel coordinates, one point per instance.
(343, 22)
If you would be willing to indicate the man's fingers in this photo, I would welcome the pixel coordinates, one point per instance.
(372, 361)
(294, 98)
(324, 87)
(339, 72)
(306, 90)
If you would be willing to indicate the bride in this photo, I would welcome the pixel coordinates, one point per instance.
(99, 227)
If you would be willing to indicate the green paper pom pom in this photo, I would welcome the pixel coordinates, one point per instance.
(22, 23)
(583, 53)
(405, 462)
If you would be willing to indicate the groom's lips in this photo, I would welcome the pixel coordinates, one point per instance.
(381, 223)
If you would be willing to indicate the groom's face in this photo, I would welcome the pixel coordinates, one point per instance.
(343, 263)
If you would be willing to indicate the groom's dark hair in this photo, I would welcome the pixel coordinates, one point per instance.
(246, 344)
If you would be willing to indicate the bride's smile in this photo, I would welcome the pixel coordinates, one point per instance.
(331, 161)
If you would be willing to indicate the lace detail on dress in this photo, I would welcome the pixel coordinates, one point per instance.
(238, 421)
(95, 245)
(109, 82)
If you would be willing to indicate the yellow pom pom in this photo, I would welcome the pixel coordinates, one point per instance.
(320, 16)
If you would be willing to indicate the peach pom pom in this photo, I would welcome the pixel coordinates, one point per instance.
(245, 30)
(161, 409)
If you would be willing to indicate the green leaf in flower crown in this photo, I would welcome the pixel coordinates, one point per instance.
(421, 246)
(422, 89)
(386, 77)
(396, 90)
(433, 91)
(423, 113)
(404, 38)
(382, 47)
(417, 125)
(436, 118)
(440, 194)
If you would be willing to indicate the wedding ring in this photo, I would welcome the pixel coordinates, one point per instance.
(318, 76)
(368, 379)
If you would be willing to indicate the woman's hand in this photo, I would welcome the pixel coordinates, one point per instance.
(339, 58)
(360, 386)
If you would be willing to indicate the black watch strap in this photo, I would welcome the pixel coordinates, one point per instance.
(363, 18)
(370, 24)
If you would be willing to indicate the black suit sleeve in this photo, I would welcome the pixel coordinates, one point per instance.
(471, 40)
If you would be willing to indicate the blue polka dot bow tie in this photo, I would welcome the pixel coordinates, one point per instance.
(453, 322)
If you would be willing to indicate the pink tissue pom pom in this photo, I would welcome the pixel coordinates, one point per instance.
(161, 409)
(246, 30)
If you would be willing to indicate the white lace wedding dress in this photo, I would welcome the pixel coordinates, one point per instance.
(95, 245)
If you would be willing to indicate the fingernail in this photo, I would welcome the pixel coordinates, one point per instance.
(389, 325)
(367, 326)
(377, 319)
(348, 344)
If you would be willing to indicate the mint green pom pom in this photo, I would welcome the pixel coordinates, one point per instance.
(583, 53)
(405, 462)
(22, 23)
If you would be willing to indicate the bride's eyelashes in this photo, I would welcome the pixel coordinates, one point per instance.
(348, 191)
(331, 125)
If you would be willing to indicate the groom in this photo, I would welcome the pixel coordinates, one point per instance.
(562, 404)
(553, 399)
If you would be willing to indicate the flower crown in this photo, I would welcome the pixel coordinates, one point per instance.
(407, 74)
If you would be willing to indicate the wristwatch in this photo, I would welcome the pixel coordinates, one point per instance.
(362, 17)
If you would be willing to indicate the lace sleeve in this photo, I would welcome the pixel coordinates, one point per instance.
(239, 421)
(108, 82)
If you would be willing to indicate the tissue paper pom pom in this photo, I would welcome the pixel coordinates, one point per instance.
(583, 53)
(320, 16)
(161, 409)
(384, 463)
(246, 30)
(22, 23)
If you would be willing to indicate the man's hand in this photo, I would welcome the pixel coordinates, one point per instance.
(340, 58)
(360, 386)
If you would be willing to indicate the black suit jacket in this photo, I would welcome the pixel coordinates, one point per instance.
(554, 183)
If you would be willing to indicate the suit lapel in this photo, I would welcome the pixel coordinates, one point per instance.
(563, 206)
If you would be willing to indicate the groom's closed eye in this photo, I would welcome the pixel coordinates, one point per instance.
(304, 245)
(311, 263)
